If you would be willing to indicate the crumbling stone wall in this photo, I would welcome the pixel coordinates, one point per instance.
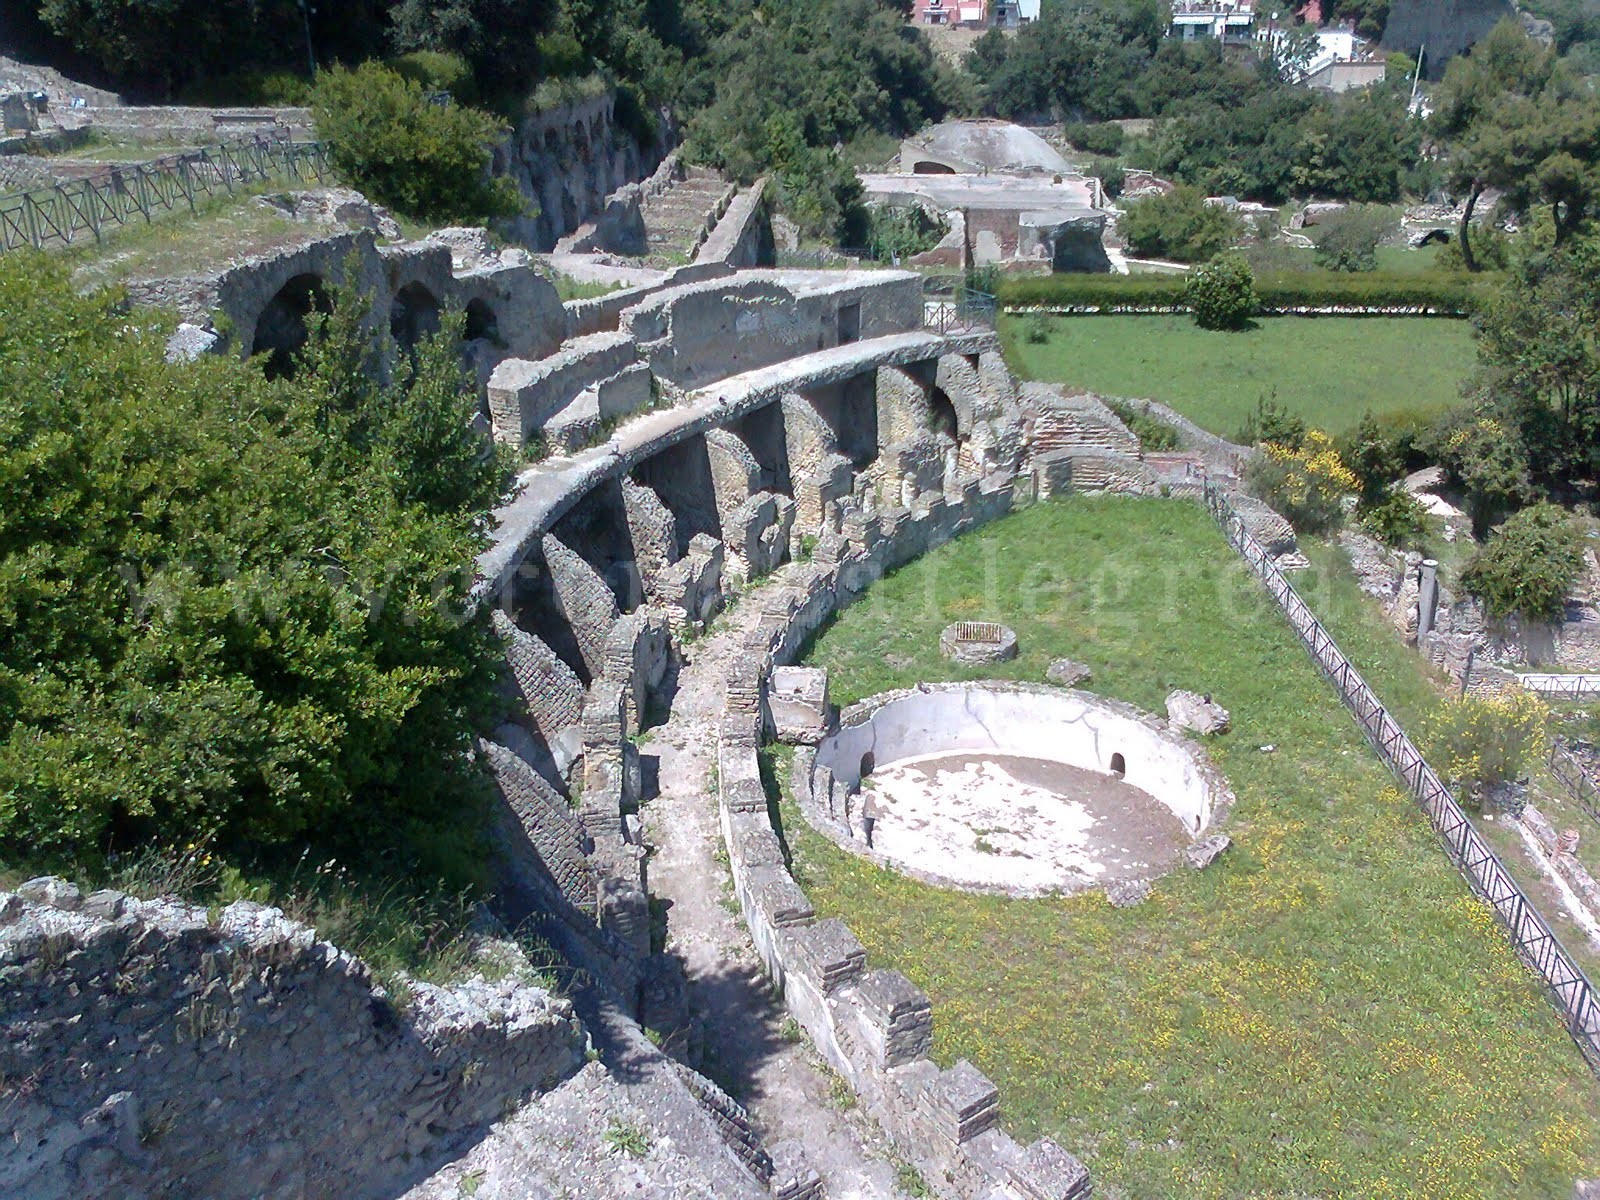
(154, 1051)
(584, 599)
(568, 160)
(735, 473)
(699, 333)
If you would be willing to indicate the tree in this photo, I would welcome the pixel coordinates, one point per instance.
(1348, 240)
(1179, 225)
(1516, 119)
(1529, 565)
(1222, 293)
(425, 160)
(494, 36)
(235, 609)
(1539, 358)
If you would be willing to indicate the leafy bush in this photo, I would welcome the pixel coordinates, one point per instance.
(894, 233)
(1222, 294)
(1273, 423)
(1348, 240)
(1037, 331)
(1442, 292)
(1179, 225)
(1397, 519)
(1529, 565)
(234, 607)
(1477, 742)
(424, 160)
(1104, 138)
(1307, 486)
(437, 71)
(1153, 433)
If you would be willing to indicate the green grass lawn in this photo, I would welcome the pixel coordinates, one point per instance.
(1324, 1012)
(1328, 369)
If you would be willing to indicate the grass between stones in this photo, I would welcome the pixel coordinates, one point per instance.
(1326, 1011)
(1329, 370)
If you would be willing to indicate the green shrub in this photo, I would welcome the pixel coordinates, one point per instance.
(234, 607)
(1442, 292)
(894, 233)
(1396, 519)
(1037, 331)
(428, 161)
(1153, 433)
(437, 71)
(1104, 139)
(1273, 424)
(1478, 742)
(1179, 225)
(1307, 486)
(1348, 240)
(1529, 565)
(1222, 294)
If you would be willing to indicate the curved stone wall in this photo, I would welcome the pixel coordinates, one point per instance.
(1029, 721)
(873, 1026)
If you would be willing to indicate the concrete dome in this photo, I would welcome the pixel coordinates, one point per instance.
(966, 147)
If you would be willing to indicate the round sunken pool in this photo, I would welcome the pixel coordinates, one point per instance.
(1011, 787)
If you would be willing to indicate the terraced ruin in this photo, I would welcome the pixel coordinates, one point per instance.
(716, 459)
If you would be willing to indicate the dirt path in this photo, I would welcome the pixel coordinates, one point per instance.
(746, 1051)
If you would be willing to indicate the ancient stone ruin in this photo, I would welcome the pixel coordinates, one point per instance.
(713, 432)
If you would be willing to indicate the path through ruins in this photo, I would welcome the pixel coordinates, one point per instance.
(778, 1080)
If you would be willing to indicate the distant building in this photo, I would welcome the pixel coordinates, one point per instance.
(1343, 61)
(973, 14)
(1231, 22)
(1012, 14)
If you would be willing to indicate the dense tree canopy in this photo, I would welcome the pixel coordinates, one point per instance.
(234, 607)
(1517, 118)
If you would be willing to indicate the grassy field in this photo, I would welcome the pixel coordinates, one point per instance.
(1324, 1012)
(1328, 369)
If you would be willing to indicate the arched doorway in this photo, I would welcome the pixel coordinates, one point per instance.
(281, 329)
(413, 316)
(1119, 765)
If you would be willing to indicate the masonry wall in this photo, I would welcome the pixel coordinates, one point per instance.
(872, 1026)
(169, 1054)
(567, 161)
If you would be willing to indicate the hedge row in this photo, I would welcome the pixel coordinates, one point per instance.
(1440, 292)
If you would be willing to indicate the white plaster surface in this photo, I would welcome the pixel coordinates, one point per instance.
(1024, 825)
(1047, 724)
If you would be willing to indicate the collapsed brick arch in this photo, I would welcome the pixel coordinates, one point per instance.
(282, 329)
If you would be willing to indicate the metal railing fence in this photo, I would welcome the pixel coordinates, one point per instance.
(1530, 935)
(1569, 773)
(63, 212)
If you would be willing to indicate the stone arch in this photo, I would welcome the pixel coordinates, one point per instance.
(483, 323)
(281, 329)
(413, 315)
(942, 416)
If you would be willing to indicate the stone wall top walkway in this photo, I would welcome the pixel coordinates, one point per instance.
(545, 492)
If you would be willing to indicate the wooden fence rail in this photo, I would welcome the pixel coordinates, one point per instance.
(62, 213)
(1533, 939)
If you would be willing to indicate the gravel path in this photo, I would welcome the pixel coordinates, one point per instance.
(778, 1079)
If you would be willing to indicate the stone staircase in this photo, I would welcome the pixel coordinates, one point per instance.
(677, 220)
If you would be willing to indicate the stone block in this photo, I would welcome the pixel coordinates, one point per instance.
(830, 955)
(777, 897)
(962, 1103)
(1047, 1172)
(899, 1017)
(1197, 713)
